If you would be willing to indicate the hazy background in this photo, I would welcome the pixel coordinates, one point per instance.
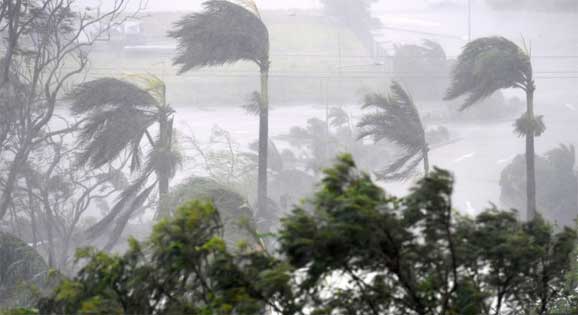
(318, 63)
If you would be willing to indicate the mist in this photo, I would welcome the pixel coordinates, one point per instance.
(368, 156)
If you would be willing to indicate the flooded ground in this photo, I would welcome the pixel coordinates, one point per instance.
(476, 158)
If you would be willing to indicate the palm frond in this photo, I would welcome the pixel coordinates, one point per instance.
(525, 126)
(122, 221)
(106, 134)
(152, 84)
(403, 167)
(396, 119)
(487, 65)
(125, 198)
(108, 92)
(338, 117)
(434, 49)
(223, 33)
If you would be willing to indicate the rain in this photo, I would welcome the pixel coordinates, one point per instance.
(288, 157)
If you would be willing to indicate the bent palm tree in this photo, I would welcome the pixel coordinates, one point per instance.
(118, 117)
(490, 64)
(223, 33)
(397, 120)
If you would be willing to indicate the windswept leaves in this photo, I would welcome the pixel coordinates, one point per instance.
(118, 114)
(396, 119)
(487, 65)
(225, 32)
(100, 93)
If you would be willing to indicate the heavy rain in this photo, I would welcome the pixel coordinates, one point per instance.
(288, 157)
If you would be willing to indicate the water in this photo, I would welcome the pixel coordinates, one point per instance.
(476, 160)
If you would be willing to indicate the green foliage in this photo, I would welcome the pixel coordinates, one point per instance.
(415, 256)
(237, 217)
(352, 249)
(184, 268)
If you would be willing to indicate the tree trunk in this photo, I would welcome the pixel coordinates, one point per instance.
(20, 159)
(426, 160)
(530, 158)
(163, 174)
(263, 140)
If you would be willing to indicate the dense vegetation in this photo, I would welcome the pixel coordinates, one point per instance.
(351, 249)
(249, 232)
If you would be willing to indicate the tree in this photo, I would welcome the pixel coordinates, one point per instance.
(119, 117)
(52, 199)
(487, 65)
(398, 121)
(351, 249)
(223, 33)
(47, 44)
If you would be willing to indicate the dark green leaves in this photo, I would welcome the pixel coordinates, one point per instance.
(351, 249)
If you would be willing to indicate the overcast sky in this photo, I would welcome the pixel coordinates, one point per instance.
(156, 5)
(188, 5)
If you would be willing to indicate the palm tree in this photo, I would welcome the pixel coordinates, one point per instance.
(487, 65)
(397, 120)
(224, 33)
(118, 117)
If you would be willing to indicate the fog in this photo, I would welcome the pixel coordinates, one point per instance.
(114, 113)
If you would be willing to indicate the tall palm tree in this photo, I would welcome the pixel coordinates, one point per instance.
(490, 64)
(118, 117)
(397, 120)
(227, 32)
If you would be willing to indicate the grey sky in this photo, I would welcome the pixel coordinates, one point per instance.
(188, 5)
(156, 5)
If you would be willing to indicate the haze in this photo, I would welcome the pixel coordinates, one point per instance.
(347, 138)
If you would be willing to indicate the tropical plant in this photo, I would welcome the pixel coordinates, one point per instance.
(350, 249)
(45, 44)
(397, 120)
(119, 118)
(227, 32)
(487, 65)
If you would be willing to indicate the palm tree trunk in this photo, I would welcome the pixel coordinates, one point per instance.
(163, 176)
(530, 158)
(426, 160)
(263, 140)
